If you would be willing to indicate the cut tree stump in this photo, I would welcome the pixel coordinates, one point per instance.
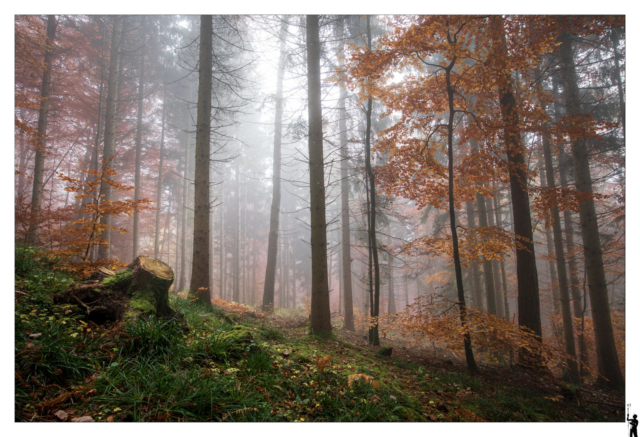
(141, 288)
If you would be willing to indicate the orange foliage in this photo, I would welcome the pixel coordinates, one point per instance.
(73, 241)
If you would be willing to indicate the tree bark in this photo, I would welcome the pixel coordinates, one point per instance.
(200, 262)
(563, 281)
(347, 291)
(109, 150)
(476, 293)
(138, 179)
(159, 190)
(274, 222)
(320, 311)
(609, 371)
(236, 236)
(41, 139)
(528, 292)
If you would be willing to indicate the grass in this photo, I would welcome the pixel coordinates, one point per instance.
(232, 369)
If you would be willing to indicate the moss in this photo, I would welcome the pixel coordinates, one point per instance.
(239, 334)
(121, 280)
(144, 302)
(384, 351)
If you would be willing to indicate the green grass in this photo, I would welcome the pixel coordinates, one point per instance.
(229, 369)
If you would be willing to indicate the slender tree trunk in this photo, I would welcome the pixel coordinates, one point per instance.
(528, 292)
(471, 362)
(159, 190)
(487, 268)
(109, 150)
(476, 293)
(41, 139)
(496, 207)
(200, 262)
(223, 254)
(374, 338)
(320, 311)
(615, 39)
(347, 291)
(494, 263)
(185, 204)
(563, 281)
(236, 237)
(272, 249)
(138, 180)
(609, 371)
(551, 255)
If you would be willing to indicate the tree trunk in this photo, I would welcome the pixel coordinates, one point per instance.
(138, 180)
(374, 338)
(609, 371)
(41, 139)
(159, 190)
(471, 362)
(476, 293)
(496, 207)
(200, 262)
(494, 262)
(487, 268)
(185, 203)
(347, 290)
(528, 293)
(615, 39)
(236, 236)
(563, 282)
(274, 223)
(320, 311)
(109, 150)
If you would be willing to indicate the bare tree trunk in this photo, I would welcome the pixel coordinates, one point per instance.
(320, 312)
(609, 371)
(272, 250)
(496, 207)
(159, 190)
(185, 204)
(138, 179)
(109, 150)
(528, 293)
(200, 262)
(347, 290)
(494, 263)
(223, 254)
(489, 285)
(615, 39)
(563, 282)
(41, 140)
(236, 237)
(476, 293)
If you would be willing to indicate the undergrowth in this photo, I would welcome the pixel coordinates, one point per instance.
(229, 368)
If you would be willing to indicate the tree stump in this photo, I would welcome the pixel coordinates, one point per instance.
(141, 288)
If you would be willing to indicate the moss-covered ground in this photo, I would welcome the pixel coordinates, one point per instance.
(250, 369)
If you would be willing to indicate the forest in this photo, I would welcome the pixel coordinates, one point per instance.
(413, 218)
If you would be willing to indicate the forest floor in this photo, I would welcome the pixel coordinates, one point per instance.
(230, 367)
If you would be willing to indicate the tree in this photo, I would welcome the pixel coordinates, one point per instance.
(138, 179)
(320, 311)
(109, 150)
(609, 371)
(41, 139)
(344, 191)
(272, 250)
(200, 264)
